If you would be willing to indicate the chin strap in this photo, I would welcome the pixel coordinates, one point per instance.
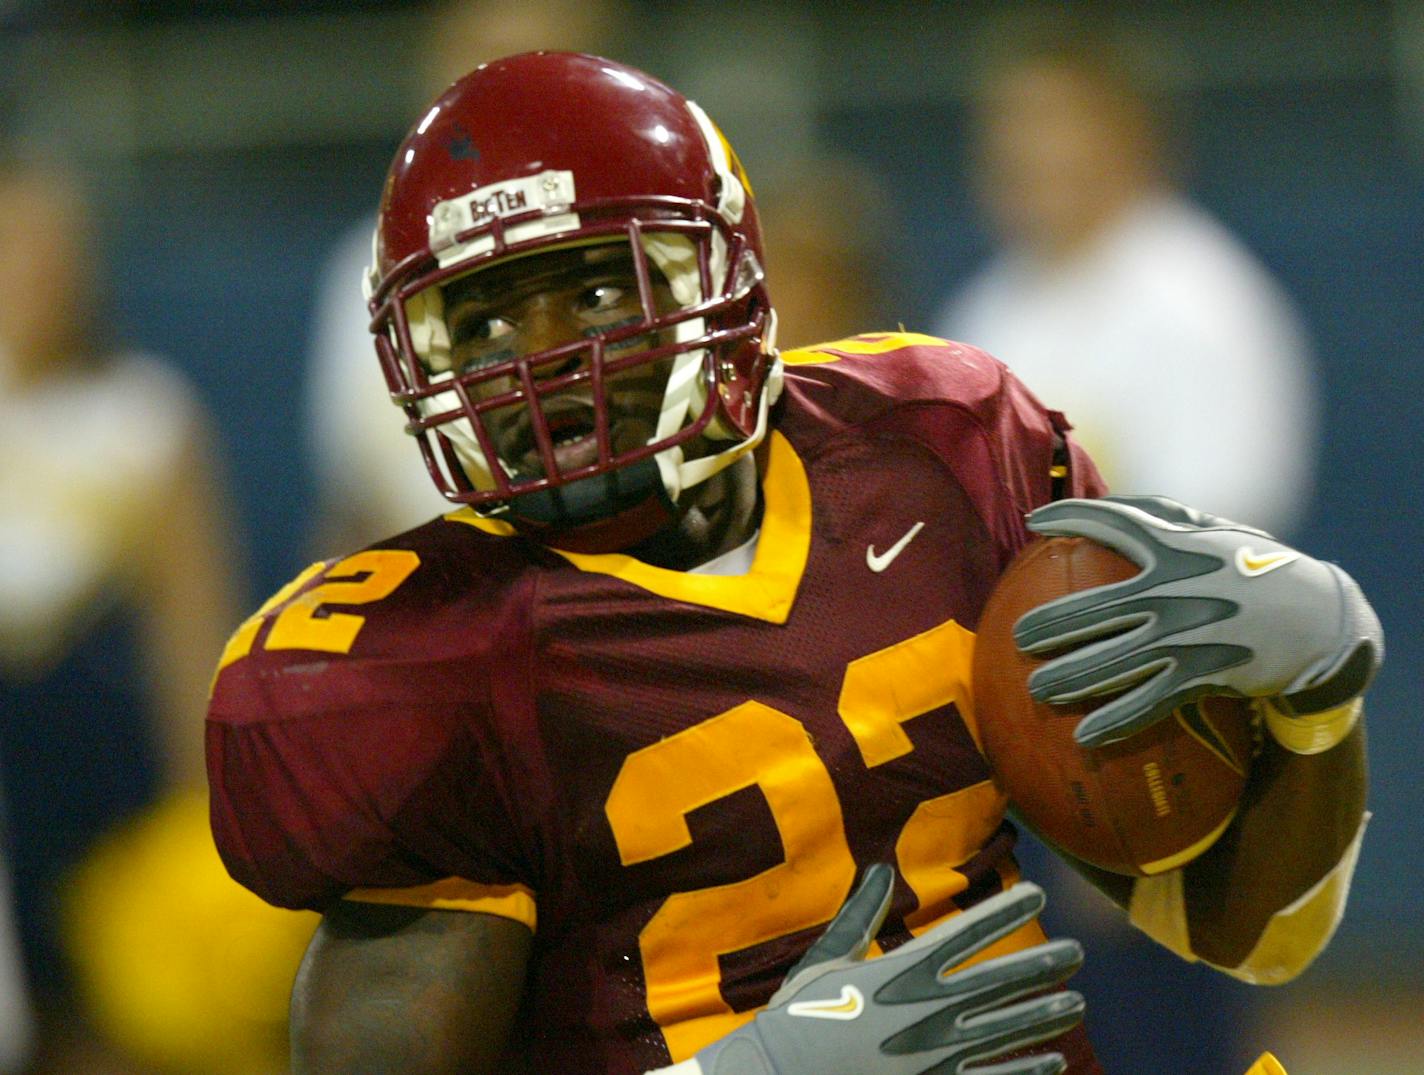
(614, 534)
(679, 474)
(602, 513)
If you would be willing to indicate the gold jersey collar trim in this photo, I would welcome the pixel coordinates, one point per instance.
(766, 592)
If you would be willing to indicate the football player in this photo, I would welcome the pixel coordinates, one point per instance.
(578, 771)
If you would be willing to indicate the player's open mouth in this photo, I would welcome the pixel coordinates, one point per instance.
(573, 435)
(572, 428)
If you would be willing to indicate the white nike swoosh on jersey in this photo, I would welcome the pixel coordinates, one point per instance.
(1252, 565)
(847, 1006)
(878, 562)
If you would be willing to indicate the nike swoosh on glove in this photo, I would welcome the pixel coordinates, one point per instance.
(1218, 608)
(904, 1013)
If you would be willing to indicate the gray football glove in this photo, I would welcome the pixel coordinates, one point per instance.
(901, 1014)
(1219, 608)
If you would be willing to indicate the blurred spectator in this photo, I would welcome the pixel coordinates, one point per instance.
(826, 226)
(182, 969)
(16, 1020)
(371, 480)
(1183, 367)
(1178, 358)
(117, 583)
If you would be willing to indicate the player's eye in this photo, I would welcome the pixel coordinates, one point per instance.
(602, 297)
(479, 330)
(480, 340)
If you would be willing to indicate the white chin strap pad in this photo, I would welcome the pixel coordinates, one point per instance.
(685, 394)
(430, 338)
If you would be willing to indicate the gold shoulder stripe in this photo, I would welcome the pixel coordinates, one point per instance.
(819, 355)
(457, 894)
(870, 343)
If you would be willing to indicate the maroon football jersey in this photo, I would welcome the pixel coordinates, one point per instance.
(674, 779)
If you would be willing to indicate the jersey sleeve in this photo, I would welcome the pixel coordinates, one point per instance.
(1074, 472)
(1033, 453)
(374, 773)
(1008, 451)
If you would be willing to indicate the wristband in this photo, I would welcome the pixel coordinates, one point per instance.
(1312, 733)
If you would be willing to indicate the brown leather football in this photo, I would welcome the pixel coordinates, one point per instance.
(1143, 805)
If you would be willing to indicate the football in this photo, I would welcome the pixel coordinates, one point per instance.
(1143, 805)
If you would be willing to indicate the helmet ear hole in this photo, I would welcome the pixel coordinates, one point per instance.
(749, 274)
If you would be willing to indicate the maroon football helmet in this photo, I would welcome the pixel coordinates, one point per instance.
(546, 152)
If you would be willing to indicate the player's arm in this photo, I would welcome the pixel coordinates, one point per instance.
(403, 989)
(188, 594)
(421, 992)
(1290, 849)
(1299, 830)
(1223, 609)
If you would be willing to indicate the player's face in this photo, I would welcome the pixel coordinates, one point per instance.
(43, 277)
(539, 303)
(1058, 153)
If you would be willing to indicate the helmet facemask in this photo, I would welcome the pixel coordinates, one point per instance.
(623, 411)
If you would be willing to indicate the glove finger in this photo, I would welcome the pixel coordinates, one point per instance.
(1039, 1064)
(1100, 666)
(1134, 711)
(955, 940)
(1164, 507)
(856, 923)
(1103, 613)
(1187, 673)
(1121, 527)
(1100, 610)
(985, 987)
(1081, 617)
(1174, 511)
(992, 1033)
(1027, 1022)
(1047, 1018)
(1023, 1025)
(996, 981)
(1098, 669)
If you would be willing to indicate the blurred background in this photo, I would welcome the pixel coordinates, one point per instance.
(182, 273)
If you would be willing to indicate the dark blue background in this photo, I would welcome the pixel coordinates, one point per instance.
(215, 255)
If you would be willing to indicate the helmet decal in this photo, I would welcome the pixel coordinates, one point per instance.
(540, 201)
